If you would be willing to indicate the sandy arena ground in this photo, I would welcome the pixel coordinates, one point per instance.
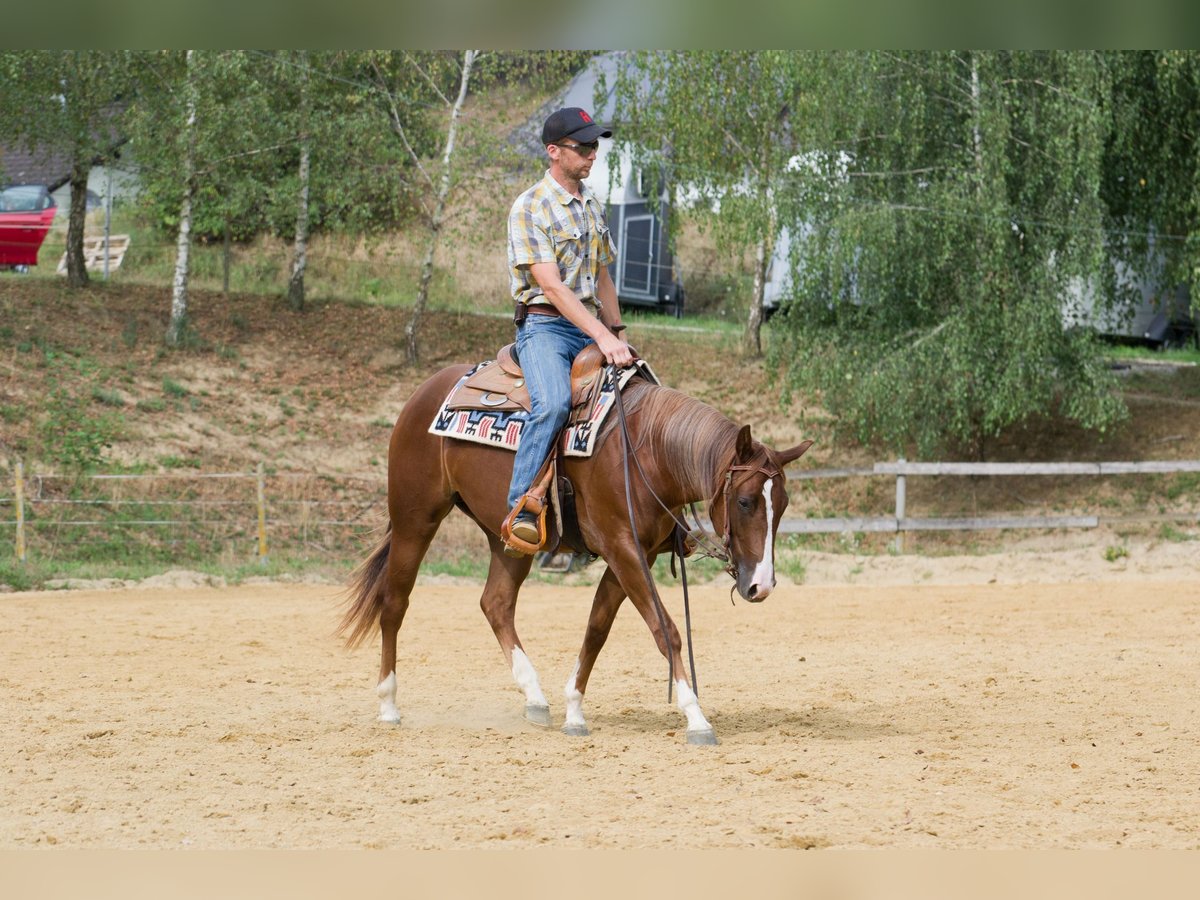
(893, 712)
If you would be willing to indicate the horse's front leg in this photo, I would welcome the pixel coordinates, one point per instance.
(699, 731)
(609, 595)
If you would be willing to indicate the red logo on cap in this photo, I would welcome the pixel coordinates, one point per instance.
(585, 117)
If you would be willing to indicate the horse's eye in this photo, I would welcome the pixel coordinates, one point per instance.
(744, 504)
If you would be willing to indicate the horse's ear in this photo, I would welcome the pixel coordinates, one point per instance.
(745, 444)
(788, 456)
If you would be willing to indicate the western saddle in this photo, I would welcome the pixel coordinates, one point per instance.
(500, 384)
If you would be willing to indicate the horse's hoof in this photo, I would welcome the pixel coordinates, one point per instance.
(538, 715)
(575, 730)
(390, 720)
(705, 737)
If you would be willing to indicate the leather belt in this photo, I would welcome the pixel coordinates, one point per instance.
(545, 309)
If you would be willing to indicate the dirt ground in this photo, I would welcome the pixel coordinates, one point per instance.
(923, 707)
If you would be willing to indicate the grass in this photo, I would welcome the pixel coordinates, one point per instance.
(37, 574)
(382, 270)
(173, 388)
(1169, 532)
(1185, 355)
(108, 397)
(179, 462)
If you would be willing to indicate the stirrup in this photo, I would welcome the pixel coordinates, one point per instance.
(513, 545)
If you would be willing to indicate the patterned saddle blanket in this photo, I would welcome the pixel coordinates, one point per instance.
(490, 403)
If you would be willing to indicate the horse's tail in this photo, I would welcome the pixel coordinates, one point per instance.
(366, 593)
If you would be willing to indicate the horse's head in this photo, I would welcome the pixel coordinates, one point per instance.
(748, 505)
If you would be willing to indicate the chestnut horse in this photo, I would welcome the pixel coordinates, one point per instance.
(687, 452)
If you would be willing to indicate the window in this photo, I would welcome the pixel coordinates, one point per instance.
(24, 198)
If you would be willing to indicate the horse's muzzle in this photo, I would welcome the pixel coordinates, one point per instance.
(751, 590)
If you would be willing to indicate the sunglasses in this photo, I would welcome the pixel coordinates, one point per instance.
(583, 150)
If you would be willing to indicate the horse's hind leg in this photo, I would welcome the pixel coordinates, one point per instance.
(404, 560)
(499, 604)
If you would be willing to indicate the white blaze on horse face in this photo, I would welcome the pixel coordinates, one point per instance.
(689, 704)
(764, 572)
(387, 700)
(574, 699)
(526, 678)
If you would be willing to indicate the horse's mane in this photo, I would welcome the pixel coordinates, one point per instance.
(688, 437)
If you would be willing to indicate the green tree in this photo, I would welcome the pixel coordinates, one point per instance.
(179, 285)
(304, 138)
(1151, 176)
(70, 102)
(725, 125)
(431, 70)
(201, 149)
(422, 98)
(931, 264)
(286, 143)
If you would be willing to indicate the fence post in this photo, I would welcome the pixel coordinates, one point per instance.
(262, 519)
(901, 502)
(19, 500)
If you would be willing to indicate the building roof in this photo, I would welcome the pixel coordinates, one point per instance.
(579, 91)
(51, 166)
(21, 166)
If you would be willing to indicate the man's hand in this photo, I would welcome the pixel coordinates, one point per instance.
(615, 350)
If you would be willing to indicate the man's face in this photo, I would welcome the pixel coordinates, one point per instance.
(573, 158)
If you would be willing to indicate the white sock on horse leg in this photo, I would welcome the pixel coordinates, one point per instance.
(574, 699)
(690, 706)
(526, 678)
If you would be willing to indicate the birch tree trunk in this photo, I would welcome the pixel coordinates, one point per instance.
(184, 244)
(976, 115)
(226, 258)
(77, 275)
(435, 228)
(752, 341)
(300, 251)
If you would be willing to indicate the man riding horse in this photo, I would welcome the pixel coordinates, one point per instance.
(443, 457)
(559, 250)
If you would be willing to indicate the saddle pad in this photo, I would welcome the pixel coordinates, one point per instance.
(502, 428)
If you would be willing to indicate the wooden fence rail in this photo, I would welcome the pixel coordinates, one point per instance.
(899, 522)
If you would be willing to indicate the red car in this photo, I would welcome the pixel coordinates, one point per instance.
(26, 211)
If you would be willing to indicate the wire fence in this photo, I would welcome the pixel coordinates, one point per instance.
(230, 516)
(239, 516)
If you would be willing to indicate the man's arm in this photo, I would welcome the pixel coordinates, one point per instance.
(606, 293)
(564, 300)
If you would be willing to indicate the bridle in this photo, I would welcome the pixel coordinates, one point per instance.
(765, 467)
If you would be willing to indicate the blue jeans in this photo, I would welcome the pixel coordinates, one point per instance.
(546, 346)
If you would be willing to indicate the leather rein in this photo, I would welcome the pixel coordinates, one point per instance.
(683, 532)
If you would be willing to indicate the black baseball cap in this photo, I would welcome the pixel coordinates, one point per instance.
(572, 122)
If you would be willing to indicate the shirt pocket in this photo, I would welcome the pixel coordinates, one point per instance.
(568, 243)
(606, 250)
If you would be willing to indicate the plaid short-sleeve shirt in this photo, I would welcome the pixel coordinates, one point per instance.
(549, 224)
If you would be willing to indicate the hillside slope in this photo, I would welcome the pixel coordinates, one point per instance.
(318, 391)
